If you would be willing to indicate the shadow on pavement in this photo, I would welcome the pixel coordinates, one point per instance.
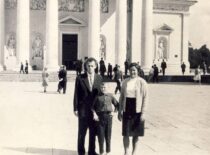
(43, 151)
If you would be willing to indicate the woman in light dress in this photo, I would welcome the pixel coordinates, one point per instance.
(45, 76)
(197, 77)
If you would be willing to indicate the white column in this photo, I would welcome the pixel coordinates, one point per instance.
(2, 34)
(23, 17)
(185, 39)
(147, 35)
(121, 32)
(136, 31)
(52, 35)
(94, 29)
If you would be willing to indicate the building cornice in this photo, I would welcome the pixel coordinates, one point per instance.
(173, 5)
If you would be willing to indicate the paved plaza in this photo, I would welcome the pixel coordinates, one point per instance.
(35, 123)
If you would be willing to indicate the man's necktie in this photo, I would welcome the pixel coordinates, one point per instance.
(91, 83)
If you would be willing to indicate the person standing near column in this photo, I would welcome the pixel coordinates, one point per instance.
(163, 66)
(87, 87)
(26, 67)
(45, 76)
(183, 66)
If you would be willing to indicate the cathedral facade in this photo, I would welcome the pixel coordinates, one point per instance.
(55, 32)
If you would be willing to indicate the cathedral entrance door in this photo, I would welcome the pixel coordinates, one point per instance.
(70, 50)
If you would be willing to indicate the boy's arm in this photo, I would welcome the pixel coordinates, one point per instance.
(115, 103)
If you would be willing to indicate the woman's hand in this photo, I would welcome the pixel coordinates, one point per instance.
(142, 118)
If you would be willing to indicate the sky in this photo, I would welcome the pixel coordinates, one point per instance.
(199, 24)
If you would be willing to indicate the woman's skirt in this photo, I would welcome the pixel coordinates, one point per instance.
(132, 124)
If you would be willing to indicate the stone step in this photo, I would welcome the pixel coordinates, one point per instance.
(32, 77)
(36, 76)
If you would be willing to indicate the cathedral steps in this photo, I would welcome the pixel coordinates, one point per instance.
(34, 76)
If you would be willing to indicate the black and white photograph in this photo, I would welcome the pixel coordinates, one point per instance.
(104, 77)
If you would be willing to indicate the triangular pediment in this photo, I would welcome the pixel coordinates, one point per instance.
(72, 21)
(164, 29)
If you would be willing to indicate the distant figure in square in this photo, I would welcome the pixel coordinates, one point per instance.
(118, 77)
(109, 71)
(156, 72)
(163, 66)
(21, 68)
(45, 76)
(26, 67)
(102, 114)
(197, 77)
(62, 75)
(183, 67)
(126, 65)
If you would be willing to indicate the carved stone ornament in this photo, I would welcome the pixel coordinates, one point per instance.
(104, 6)
(38, 5)
(173, 5)
(72, 5)
(10, 4)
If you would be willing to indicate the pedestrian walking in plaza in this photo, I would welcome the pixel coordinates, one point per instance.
(102, 69)
(45, 80)
(109, 74)
(183, 67)
(62, 75)
(204, 67)
(151, 74)
(163, 66)
(156, 72)
(197, 77)
(102, 110)
(132, 103)
(26, 67)
(140, 72)
(126, 65)
(87, 87)
(79, 67)
(21, 68)
(118, 77)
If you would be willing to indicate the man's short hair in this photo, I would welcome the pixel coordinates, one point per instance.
(91, 59)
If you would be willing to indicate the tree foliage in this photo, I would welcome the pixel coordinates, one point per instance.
(198, 56)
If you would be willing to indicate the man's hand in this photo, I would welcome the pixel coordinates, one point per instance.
(95, 117)
(76, 113)
(119, 116)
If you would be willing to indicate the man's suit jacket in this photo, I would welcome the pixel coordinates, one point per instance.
(83, 96)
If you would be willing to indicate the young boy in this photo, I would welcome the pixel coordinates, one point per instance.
(102, 110)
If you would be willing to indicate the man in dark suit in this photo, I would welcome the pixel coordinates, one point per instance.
(87, 87)
(62, 75)
(163, 66)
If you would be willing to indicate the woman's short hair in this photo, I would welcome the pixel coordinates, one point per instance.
(134, 64)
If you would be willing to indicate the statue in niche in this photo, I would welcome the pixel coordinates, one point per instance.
(37, 47)
(102, 47)
(11, 45)
(162, 48)
(104, 6)
(129, 5)
(38, 4)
